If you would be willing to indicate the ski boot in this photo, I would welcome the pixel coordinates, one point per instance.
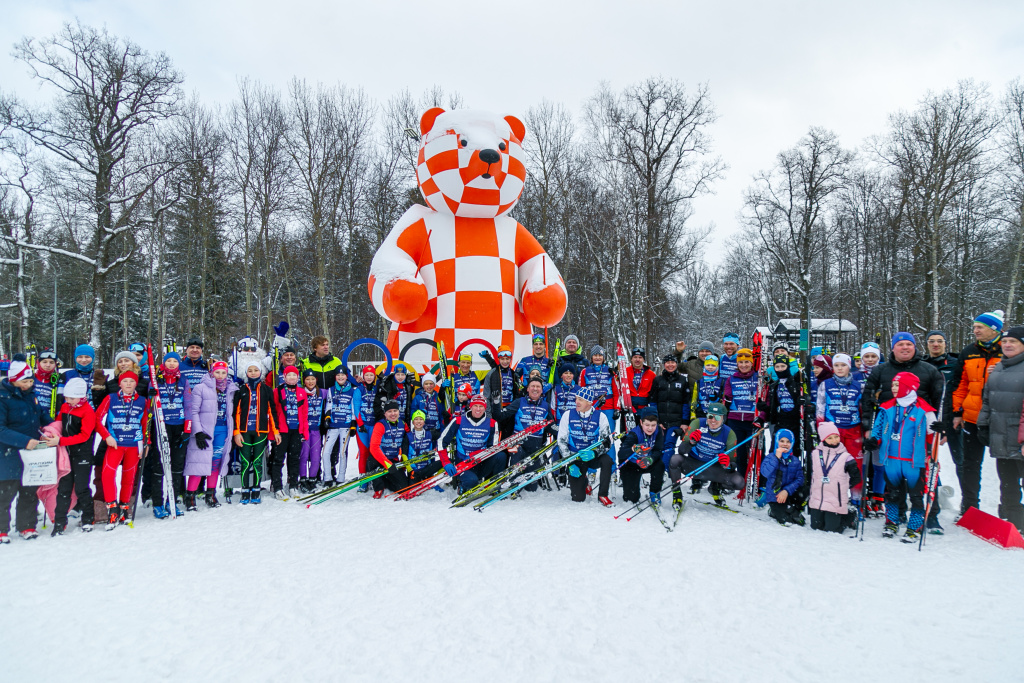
(254, 497)
(227, 495)
(934, 527)
(4, 540)
(28, 534)
(796, 517)
(781, 518)
(86, 528)
(245, 496)
(909, 536)
(160, 512)
(58, 529)
(123, 517)
(606, 501)
(890, 529)
(363, 488)
(279, 494)
(695, 487)
(655, 499)
(377, 495)
(677, 500)
(190, 502)
(211, 499)
(112, 514)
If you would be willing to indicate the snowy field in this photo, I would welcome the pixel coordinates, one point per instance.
(538, 589)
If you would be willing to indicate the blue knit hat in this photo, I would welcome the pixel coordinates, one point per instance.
(587, 394)
(902, 336)
(992, 319)
(731, 337)
(649, 414)
(172, 354)
(85, 350)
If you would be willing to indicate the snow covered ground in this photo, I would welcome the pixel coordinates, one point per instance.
(539, 589)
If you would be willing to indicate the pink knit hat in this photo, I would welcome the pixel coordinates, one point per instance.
(827, 429)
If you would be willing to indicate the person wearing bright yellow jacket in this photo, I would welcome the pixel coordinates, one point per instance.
(321, 362)
(968, 383)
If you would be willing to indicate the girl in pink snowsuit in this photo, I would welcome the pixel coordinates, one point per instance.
(833, 472)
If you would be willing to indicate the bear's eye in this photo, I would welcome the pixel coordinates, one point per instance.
(464, 143)
(501, 146)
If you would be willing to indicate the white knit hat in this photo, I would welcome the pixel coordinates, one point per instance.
(76, 388)
(428, 377)
(19, 370)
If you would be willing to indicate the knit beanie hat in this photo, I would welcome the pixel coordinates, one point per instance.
(904, 336)
(418, 413)
(706, 346)
(1016, 332)
(85, 350)
(125, 354)
(841, 358)
(18, 371)
(477, 400)
(823, 362)
(428, 377)
(572, 337)
(171, 355)
(127, 374)
(870, 347)
(287, 371)
(827, 429)
(587, 394)
(932, 333)
(745, 354)
(992, 319)
(75, 388)
(596, 350)
(711, 360)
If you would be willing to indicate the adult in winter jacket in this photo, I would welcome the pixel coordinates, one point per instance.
(694, 366)
(176, 402)
(904, 358)
(784, 478)
(999, 424)
(322, 364)
(670, 395)
(210, 412)
(193, 366)
(834, 471)
(78, 424)
(707, 440)
(640, 380)
(537, 360)
(968, 384)
(21, 420)
(571, 355)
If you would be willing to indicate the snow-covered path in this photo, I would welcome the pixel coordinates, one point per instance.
(538, 589)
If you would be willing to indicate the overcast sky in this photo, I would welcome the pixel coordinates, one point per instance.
(774, 68)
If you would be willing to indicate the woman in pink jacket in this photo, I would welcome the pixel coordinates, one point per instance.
(833, 471)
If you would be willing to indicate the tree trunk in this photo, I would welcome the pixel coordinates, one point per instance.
(1011, 299)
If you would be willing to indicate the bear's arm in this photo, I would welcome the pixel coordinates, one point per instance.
(542, 292)
(396, 288)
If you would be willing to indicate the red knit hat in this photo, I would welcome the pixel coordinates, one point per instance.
(127, 374)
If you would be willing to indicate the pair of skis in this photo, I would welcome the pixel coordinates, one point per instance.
(511, 475)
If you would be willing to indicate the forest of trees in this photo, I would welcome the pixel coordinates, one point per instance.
(149, 213)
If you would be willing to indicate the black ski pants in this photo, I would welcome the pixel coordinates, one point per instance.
(969, 471)
(179, 445)
(578, 485)
(1011, 472)
(682, 465)
(822, 520)
(631, 474)
(76, 480)
(526, 450)
(28, 503)
(287, 452)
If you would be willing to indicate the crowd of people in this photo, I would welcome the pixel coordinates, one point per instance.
(851, 438)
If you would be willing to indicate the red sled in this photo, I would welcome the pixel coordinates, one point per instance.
(992, 529)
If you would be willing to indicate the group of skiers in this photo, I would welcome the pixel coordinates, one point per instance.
(850, 439)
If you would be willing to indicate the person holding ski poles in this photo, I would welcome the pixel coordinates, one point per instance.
(708, 439)
(579, 428)
(640, 453)
(254, 424)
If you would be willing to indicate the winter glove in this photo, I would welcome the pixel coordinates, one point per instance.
(202, 440)
(485, 354)
(724, 460)
(644, 461)
(695, 436)
(872, 443)
(574, 471)
(587, 456)
(607, 443)
(983, 435)
(616, 414)
(446, 383)
(99, 380)
(450, 470)
(938, 428)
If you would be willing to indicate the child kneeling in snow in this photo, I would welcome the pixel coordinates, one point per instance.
(784, 476)
(901, 428)
(833, 472)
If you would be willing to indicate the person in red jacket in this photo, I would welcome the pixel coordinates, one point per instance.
(640, 379)
(389, 440)
(77, 426)
(293, 424)
(121, 420)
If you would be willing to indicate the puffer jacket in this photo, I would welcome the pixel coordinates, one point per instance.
(21, 418)
(969, 377)
(670, 395)
(1001, 407)
(832, 495)
(912, 424)
(878, 385)
(781, 473)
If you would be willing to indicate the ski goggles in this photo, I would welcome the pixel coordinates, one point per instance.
(48, 354)
(137, 348)
(504, 354)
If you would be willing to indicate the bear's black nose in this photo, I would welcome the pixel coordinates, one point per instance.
(489, 156)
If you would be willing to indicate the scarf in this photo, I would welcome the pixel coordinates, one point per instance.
(170, 376)
(43, 375)
(222, 384)
(990, 344)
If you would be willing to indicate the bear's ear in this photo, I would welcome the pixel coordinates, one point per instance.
(427, 120)
(518, 129)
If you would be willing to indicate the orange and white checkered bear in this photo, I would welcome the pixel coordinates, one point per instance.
(460, 268)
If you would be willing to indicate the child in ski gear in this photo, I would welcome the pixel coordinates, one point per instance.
(707, 440)
(49, 385)
(784, 475)
(900, 433)
(524, 412)
(838, 402)
(210, 410)
(740, 395)
(563, 395)
(254, 415)
(121, 420)
(344, 400)
(785, 393)
(398, 386)
(78, 424)
(462, 396)
(469, 433)
(367, 417)
(317, 401)
(429, 402)
(709, 389)
(193, 367)
(292, 421)
(641, 453)
(579, 428)
(730, 345)
(246, 351)
(139, 350)
(21, 420)
(870, 356)
(176, 402)
(833, 472)
(85, 357)
(821, 370)
(421, 441)
(388, 443)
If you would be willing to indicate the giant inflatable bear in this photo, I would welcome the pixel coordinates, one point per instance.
(460, 269)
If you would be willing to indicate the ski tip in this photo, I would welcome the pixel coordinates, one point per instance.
(308, 505)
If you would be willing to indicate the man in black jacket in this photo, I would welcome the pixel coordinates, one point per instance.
(903, 358)
(670, 395)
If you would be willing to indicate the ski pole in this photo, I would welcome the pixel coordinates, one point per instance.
(933, 478)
